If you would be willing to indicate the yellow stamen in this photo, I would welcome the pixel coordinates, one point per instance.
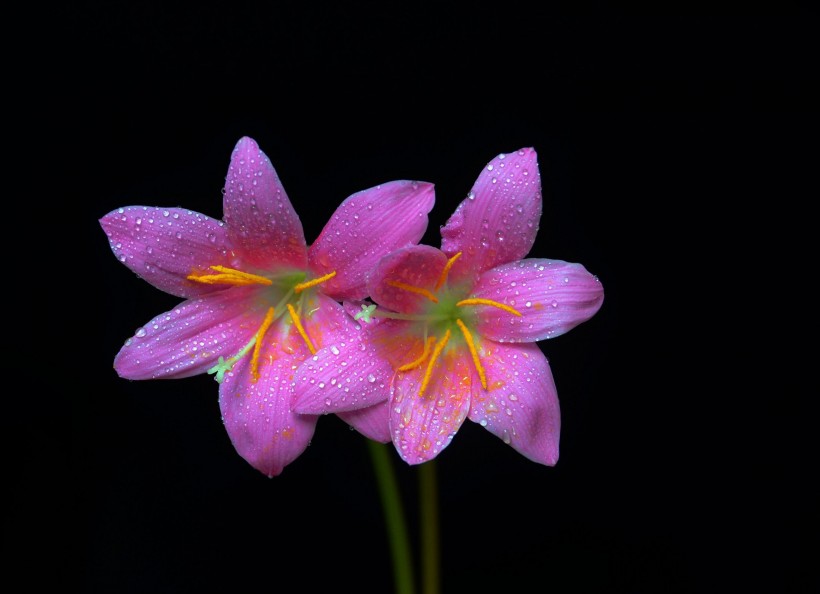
(471, 345)
(229, 276)
(478, 301)
(412, 289)
(258, 345)
(312, 283)
(427, 346)
(446, 271)
(433, 357)
(295, 317)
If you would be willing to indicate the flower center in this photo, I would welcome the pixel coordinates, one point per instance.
(288, 291)
(445, 312)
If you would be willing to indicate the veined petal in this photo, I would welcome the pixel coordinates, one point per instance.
(417, 266)
(261, 220)
(372, 422)
(164, 245)
(366, 226)
(324, 320)
(422, 426)
(552, 296)
(189, 339)
(258, 416)
(498, 220)
(521, 403)
(354, 372)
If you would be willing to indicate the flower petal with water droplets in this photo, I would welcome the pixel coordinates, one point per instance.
(498, 221)
(353, 372)
(422, 426)
(419, 266)
(366, 226)
(521, 405)
(261, 220)
(552, 296)
(165, 245)
(189, 339)
(258, 416)
(372, 422)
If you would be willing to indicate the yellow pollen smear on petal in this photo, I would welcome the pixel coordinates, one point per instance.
(412, 289)
(436, 352)
(296, 322)
(446, 271)
(312, 283)
(478, 301)
(258, 344)
(471, 345)
(427, 346)
(229, 276)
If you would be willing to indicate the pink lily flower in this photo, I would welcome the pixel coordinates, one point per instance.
(257, 299)
(454, 334)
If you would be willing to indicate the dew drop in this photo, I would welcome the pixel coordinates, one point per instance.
(489, 167)
(371, 378)
(140, 332)
(334, 350)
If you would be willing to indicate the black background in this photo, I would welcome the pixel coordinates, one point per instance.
(671, 151)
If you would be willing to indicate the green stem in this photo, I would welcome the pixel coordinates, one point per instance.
(394, 518)
(428, 498)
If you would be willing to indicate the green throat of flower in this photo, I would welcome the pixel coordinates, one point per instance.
(289, 295)
(447, 315)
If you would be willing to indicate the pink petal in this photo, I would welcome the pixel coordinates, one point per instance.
(552, 297)
(165, 245)
(352, 373)
(372, 422)
(366, 226)
(261, 220)
(258, 417)
(419, 266)
(423, 426)
(521, 405)
(325, 322)
(498, 220)
(189, 339)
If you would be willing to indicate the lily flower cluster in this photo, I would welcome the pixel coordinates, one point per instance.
(402, 341)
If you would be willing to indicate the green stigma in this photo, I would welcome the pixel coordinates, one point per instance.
(364, 315)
